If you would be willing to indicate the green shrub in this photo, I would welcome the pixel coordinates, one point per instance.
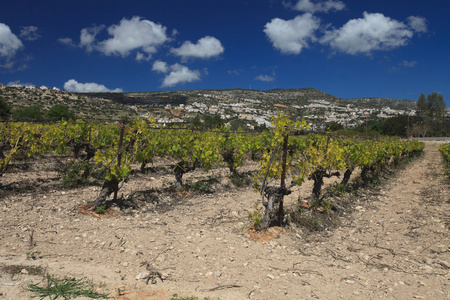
(5, 109)
(30, 112)
(59, 111)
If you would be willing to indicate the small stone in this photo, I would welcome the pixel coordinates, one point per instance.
(142, 275)
(125, 264)
(271, 276)
(218, 274)
(349, 281)
(24, 271)
(444, 264)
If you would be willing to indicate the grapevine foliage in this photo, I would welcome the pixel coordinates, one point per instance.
(282, 154)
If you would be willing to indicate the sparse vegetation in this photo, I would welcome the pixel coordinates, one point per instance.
(66, 288)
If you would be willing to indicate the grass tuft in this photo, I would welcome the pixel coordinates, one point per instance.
(65, 288)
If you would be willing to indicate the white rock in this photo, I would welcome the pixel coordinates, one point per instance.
(349, 281)
(142, 275)
(271, 276)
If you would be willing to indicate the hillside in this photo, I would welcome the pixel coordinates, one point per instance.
(403, 104)
(281, 96)
(82, 105)
(251, 106)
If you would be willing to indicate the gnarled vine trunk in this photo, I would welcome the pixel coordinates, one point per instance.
(275, 197)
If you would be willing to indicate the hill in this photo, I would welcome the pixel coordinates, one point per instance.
(230, 103)
(82, 105)
(303, 96)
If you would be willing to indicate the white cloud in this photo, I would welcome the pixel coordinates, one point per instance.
(180, 74)
(419, 24)
(408, 64)
(9, 42)
(29, 33)
(206, 47)
(320, 6)
(265, 78)
(133, 34)
(66, 41)
(74, 86)
(372, 32)
(160, 66)
(141, 56)
(18, 82)
(291, 36)
(87, 36)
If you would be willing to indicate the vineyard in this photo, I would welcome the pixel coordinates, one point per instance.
(269, 180)
(445, 149)
(287, 150)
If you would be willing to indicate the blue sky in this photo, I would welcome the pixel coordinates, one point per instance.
(348, 48)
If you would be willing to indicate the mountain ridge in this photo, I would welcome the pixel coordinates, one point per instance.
(298, 96)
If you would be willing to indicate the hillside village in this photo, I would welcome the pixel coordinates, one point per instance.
(321, 111)
(318, 111)
(253, 108)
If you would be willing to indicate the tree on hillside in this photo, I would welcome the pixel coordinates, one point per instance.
(60, 111)
(431, 108)
(396, 126)
(211, 122)
(430, 113)
(333, 126)
(5, 109)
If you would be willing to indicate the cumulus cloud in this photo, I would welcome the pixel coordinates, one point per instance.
(141, 56)
(74, 86)
(418, 24)
(320, 6)
(291, 36)
(179, 74)
(87, 36)
(9, 42)
(265, 78)
(29, 33)
(372, 32)
(160, 66)
(133, 34)
(206, 47)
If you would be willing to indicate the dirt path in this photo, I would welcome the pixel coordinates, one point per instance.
(394, 245)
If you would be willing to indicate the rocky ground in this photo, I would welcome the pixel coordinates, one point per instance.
(392, 242)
